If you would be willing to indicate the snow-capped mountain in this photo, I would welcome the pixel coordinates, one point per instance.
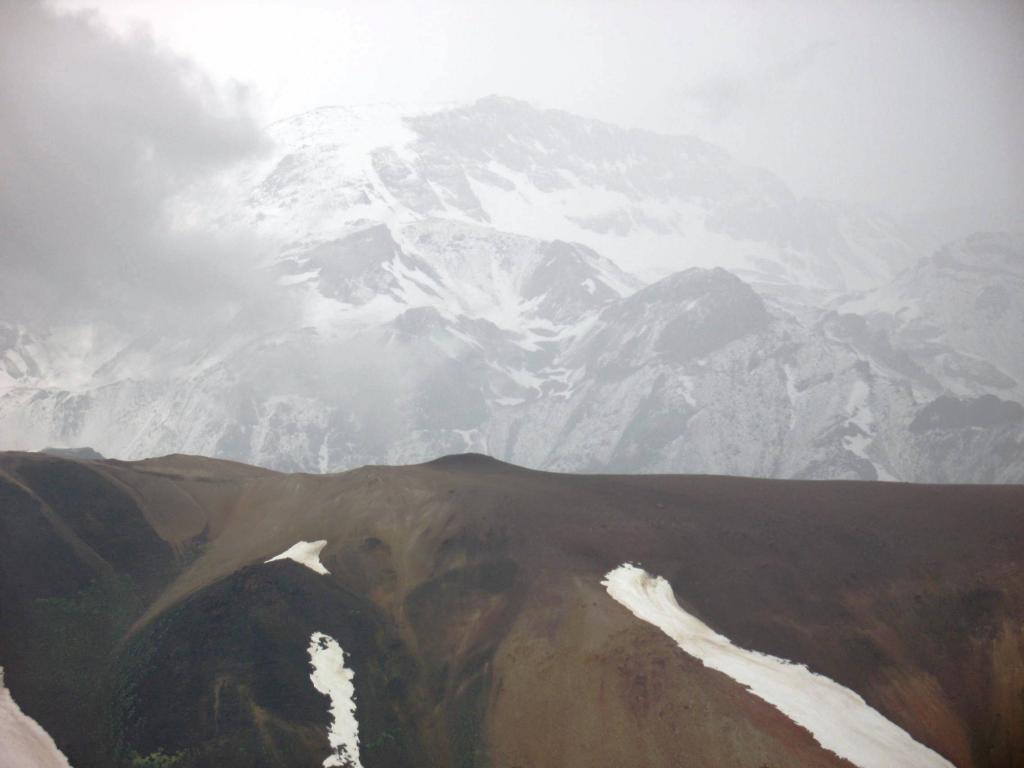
(698, 373)
(655, 204)
(560, 293)
(959, 312)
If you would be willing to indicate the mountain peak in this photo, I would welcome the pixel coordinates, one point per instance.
(469, 462)
(497, 101)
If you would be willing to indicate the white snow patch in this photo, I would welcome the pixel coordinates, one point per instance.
(323, 456)
(23, 742)
(306, 553)
(860, 415)
(838, 719)
(332, 678)
(687, 386)
(509, 401)
(301, 277)
(472, 439)
(524, 378)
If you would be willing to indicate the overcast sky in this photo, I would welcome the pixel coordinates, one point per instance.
(910, 105)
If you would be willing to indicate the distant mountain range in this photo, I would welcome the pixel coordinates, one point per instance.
(561, 293)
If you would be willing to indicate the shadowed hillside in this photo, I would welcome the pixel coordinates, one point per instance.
(138, 615)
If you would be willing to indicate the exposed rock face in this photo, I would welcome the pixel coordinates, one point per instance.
(959, 312)
(950, 413)
(464, 599)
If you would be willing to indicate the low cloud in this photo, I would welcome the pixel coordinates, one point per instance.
(724, 96)
(97, 134)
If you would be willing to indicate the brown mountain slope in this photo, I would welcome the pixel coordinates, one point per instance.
(137, 614)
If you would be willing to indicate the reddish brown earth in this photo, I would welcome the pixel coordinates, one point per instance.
(137, 614)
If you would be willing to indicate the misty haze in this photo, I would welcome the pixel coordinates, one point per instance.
(477, 384)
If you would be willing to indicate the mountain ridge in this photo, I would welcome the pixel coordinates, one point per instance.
(463, 590)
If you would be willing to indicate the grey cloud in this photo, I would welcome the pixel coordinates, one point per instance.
(97, 133)
(722, 96)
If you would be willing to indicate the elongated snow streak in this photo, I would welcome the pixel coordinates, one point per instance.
(331, 677)
(23, 742)
(837, 718)
(305, 552)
